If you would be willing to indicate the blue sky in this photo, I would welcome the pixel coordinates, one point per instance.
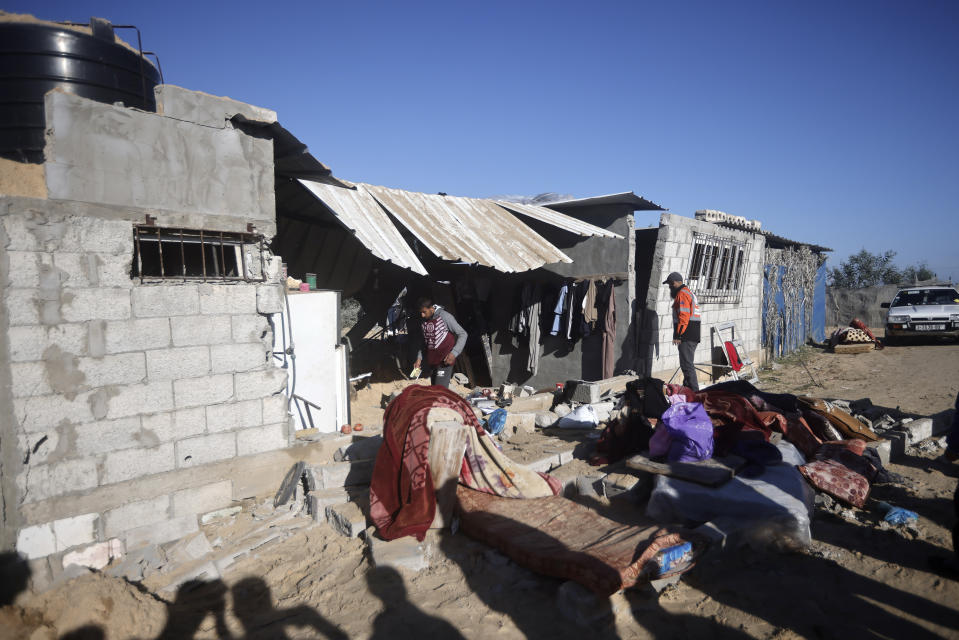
(832, 122)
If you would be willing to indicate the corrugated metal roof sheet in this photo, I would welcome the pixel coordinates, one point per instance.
(469, 230)
(557, 219)
(627, 197)
(360, 213)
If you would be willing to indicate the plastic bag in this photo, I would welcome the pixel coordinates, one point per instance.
(690, 431)
(582, 417)
(496, 421)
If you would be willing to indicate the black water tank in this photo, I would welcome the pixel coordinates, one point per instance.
(35, 58)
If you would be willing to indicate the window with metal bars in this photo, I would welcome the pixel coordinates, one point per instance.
(716, 268)
(196, 254)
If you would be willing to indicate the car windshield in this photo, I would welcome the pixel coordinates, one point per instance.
(919, 297)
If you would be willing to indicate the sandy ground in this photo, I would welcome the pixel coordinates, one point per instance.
(858, 579)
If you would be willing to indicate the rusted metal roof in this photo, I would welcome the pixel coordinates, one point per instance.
(557, 219)
(638, 203)
(360, 213)
(468, 230)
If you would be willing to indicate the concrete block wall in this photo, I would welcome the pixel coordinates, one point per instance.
(127, 409)
(112, 380)
(673, 253)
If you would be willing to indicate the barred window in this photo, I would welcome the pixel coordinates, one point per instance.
(196, 254)
(716, 268)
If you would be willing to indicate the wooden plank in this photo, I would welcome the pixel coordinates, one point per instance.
(712, 472)
(447, 446)
(856, 347)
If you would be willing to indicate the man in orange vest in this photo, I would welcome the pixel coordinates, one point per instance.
(685, 327)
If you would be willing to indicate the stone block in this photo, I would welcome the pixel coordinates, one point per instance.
(178, 363)
(202, 499)
(535, 402)
(24, 269)
(95, 556)
(136, 514)
(189, 549)
(203, 449)
(343, 474)
(918, 430)
(275, 409)
(207, 390)
(105, 436)
(36, 541)
(582, 391)
(231, 416)
(269, 299)
(269, 437)
(155, 301)
(161, 532)
(29, 342)
(228, 358)
(524, 422)
(546, 419)
(225, 298)
(259, 384)
(75, 531)
(542, 465)
(129, 400)
(124, 368)
(41, 482)
(80, 305)
(883, 448)
(173, 425)
(319, 499)
(251, 327)
(346, 519)
(138, 564)
(403, 553)
(196, 330)
(28, 379)
(23, 308)
(219, 514)
(618, 484)
(137, 335)
(136, 463)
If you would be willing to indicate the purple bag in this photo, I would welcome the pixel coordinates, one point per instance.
(690, 431)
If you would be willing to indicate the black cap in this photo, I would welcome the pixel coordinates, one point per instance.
(673, 277)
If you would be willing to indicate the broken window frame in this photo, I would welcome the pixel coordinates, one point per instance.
(716, 267)
(218, 243)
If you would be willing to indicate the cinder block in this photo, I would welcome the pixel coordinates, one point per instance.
(275, 409)
(23, 308)
(918, 430)
(259, 384)
(883, 448)
(136, 514)
(204, 449)
(45, 481)
(617, 484)
(75, 531)
(231, 416)
(582, 391)
(251, 327)
(259, 439)
(190, 548)
(228, 358)
(227, 298)
(78, 270)
(112, 271)
(129, 400)
(344, 474)
(36, 541)
(178, 363)
(173, 425)
(103, 235)
(191, 392)
(136, 463)
(346, 519)
(137, 335)
(153, 301)
(95, 556)
(403, 553)
(160, 532)
(269, 298)
(29, 342)
(318, 500)
(124, 368)
(196, 330)
(28, 379)
(524, 422)
(203, 499)
(80, 305)
(535, 402)
(24, 269)
(105, 436)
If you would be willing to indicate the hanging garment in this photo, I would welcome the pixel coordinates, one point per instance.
(532, 364)
(609, 333)
(589, 305)
(558, 310)
(570, 309)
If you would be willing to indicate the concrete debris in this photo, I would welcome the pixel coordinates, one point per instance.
(205, 572)
(546, 419)
(346, 519)
(562, 409)
(140, 564)
(619, 484)
(590, 485)
(524, 422)
(219, 514)
(189, 549)
(343, 474)
(461, 379)
(403, 553)
(95, 556)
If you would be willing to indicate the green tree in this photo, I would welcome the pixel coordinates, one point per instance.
(865, 269)
(918, 272)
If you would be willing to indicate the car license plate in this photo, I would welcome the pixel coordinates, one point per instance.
(930, 327)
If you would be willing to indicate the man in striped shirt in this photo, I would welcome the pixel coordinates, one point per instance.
(443, 340)
(686, 320)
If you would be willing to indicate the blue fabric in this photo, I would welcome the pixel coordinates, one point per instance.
(897, 515)
(558, 311)
(496, 421)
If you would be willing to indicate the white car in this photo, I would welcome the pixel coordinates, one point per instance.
(927, 311)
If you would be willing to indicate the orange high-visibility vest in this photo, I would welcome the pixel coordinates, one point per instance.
(685, 310)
